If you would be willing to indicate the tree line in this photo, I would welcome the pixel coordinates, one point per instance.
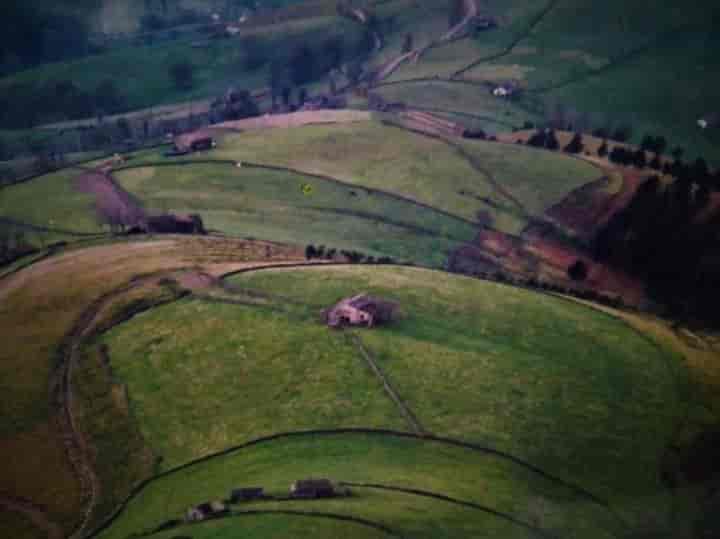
(666, 237)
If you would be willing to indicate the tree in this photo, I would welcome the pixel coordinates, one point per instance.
(622, 133)
(310, 252)
(254, 54)
(407, 43)
(302, 65)
(678, 152)
(603, 149)
(639, 159)
(538, 139)
(552, 141)
(575, 145)
(656, 164)
(182, 74)
(456, 12)
(333, 52)
(107, 97)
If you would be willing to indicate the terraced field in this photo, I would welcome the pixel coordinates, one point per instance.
(476, 362)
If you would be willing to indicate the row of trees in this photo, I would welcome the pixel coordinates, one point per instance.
(33, 34)
(665, 237)
(25, 105)
(354, 257)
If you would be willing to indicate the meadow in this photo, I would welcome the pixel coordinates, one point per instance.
(381, 459)
(38, 307)
(293, 208)
(425, 170)
(570, 390)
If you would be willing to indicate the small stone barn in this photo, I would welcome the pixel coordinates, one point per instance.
(175, 224)
(246, 493)
(360, 310)
(316, 488)
(194, 142)
(204, 511)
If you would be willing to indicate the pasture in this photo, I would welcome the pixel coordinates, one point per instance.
(38, 308)
(287, 207)
(570, 390)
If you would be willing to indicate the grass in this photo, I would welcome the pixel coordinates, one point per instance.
(458, 97)
(272, 205)
(50, 201)
(524, 372)
(37, 307)
(410, 463)
(145, 81)
(279, 527)
(537, 179)
(424, 169)
(229, 364)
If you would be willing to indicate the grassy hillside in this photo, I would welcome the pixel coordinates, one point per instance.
(141, 77)
(426, 170)
(251, 381)
(38, 308)
(298, 209)
(473, 360)
(455, 472)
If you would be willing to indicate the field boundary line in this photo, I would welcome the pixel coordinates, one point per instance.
(405, 410)
(450, 499)
(295, 512)
(514, 43)
(279, 168)
(580, 491)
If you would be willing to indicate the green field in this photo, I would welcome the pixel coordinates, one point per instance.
(426, 170)
(145, 81)
(279, 527)
(50, 201)
(436, 467)
(261, 372)
(570, 390)
(272, 205)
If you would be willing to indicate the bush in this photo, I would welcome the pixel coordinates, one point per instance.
(578, 271)
(182, 74)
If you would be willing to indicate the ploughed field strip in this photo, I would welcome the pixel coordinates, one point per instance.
(538, 397)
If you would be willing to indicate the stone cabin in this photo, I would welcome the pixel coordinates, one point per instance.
(193, 142)
(175, 224)
(246, 494)
(316, 488)
(206, 510)
(360, 310)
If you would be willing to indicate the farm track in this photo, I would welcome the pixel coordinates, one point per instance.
(497, 186)
(514, 43)
(76, 446)
(456, 501)
(35, 514)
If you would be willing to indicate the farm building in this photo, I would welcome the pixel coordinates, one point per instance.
(360, 310)
(709, 120)
(170, 224)
(317, 488)
(193, 142)
(246, 494)
(505, 89)
(205, 511)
